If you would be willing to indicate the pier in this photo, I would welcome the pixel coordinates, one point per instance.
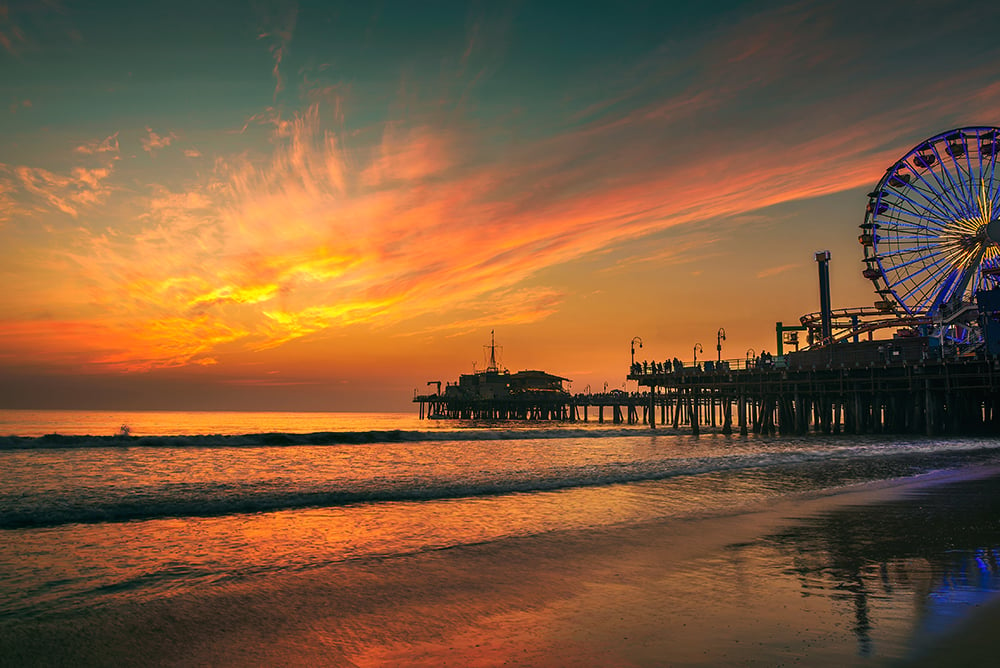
(800, 393)
(793, 396)
(616, 407)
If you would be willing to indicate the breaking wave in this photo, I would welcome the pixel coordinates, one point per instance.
(277, 439)
(825, 468)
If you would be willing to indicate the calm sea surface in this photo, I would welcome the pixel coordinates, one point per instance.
(192, 501)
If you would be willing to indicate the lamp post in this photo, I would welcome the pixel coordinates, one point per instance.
(634, 339)
(751, 353)
(697, 349)
(720, 336)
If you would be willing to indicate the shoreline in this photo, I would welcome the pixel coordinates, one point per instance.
(750, 588)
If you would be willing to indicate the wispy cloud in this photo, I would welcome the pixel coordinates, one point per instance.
(19, 105)
(12, 36)
(152, 142)
(280, 25)
(65, 192)
(774, 271)
(98, 146)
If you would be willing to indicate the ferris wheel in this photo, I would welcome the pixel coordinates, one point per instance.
(932, 227)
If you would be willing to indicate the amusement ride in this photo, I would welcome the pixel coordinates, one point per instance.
(931, 240)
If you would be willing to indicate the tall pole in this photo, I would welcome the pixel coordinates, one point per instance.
(826, 315)
(493, 351)
(720, 336)
(697, 348)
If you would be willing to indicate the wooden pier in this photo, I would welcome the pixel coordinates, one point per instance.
(615, 407)
(904, 385)
(926, 396)
(932, 397)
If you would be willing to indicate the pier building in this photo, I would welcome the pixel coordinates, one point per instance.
(495, 393)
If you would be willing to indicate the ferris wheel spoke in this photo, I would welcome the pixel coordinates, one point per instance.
(984, 180)
(993, 180)
(939, 190)
(914, 215)
(968, 157)
(929, 225)
(917, 243)
(961, 180)
(942, 192)
(916, 208)
(926, 191)
(954, 189)
(943, 202)
(987, 166)
(900, 251)
(933, 276)
(897, 268)
(902, 227)
(905, 219)
(987, 163)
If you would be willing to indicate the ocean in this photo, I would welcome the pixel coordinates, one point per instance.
(379, 539)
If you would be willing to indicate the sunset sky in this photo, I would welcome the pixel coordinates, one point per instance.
(323, 206)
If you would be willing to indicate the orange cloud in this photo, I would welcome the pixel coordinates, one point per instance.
(774, 271)
(409, 155)
(434, 222)
(153, 141)
(82, 187)
(322, 235)
(107, 145)
(94, 347)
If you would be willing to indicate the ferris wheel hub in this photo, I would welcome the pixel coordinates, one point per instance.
(993, 231)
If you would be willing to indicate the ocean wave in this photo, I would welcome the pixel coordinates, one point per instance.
(177, 500)
(278, 439)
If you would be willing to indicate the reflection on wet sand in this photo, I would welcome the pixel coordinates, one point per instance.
(814, 579)
(942, 543)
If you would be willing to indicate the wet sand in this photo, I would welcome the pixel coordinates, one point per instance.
(888, 574)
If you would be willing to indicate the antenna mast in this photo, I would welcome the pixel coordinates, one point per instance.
(493, 353)
(493, 364)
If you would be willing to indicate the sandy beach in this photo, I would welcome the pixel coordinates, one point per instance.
(878, 574)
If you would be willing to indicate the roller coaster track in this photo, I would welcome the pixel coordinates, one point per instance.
(850, 322)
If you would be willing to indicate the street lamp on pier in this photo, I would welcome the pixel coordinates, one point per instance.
(720, 336)
(697, 349)
(634, 339)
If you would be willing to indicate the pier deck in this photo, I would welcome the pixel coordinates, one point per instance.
(924, 396)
